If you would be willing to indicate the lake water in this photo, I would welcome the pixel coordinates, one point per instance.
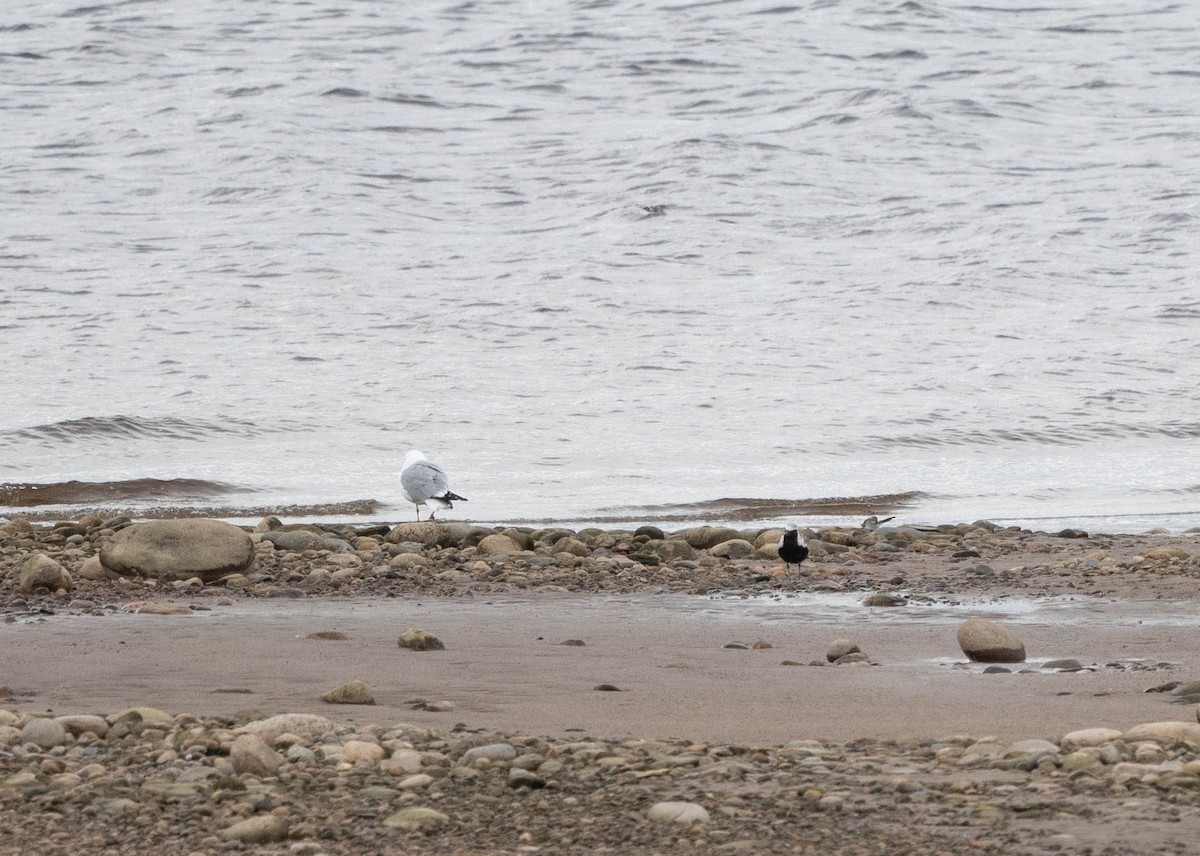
(603, 261)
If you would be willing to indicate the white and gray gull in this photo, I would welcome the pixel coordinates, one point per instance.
(425, 483)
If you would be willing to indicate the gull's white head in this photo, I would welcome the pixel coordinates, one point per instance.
(412, 457)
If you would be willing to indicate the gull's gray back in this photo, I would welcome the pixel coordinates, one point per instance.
(423, 480)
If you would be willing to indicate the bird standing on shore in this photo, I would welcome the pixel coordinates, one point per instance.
(872, 523)
(792, 548)
(425, 483)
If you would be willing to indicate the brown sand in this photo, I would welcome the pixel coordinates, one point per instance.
(504, 669)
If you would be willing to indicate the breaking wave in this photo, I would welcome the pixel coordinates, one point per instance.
(93, 428)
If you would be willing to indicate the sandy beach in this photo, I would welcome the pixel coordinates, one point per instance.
(619, 679)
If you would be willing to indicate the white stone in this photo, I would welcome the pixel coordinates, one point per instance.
(678, 812)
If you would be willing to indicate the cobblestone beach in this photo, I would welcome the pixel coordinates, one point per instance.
(1119, 775)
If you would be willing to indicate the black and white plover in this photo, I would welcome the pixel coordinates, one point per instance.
(792, 548)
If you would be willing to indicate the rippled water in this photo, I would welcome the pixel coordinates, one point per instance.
(605, 261)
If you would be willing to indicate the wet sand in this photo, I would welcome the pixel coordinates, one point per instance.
(505, 668)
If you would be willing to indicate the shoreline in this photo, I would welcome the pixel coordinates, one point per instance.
(911, 749)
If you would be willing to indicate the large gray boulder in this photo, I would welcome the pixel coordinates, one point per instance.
(179, 550)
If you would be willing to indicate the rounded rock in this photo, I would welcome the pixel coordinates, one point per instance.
(492, 752)
(1168, 733)
(416, 819)
(1089, 737)
(985, 641)
(734, 548)
(840, 648)
(498, 545)
(355, 692)
(46, 733)
(420, 640)
(295, 540)
(260, 829)
(707, 537)
(179, 550)
(249, 754)
(678, 812)
(305, 725)
(362, 750)
(40, 571)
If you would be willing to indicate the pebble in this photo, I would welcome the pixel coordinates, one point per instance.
(417, 819)
(420, 780)
(260, 829)
(678, 812)
(491, 752)
(519, 778)
(1089, 737)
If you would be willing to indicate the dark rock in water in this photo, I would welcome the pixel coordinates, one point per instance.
(997, 670)
(606, 688)
(883, 600)
(1071, 533)
(179, 550)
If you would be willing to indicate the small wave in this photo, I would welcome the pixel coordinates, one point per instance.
(749, 509)
(1075, 435)
(1182, 310)
(78, 492)
(92, 428)
(900, 54)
